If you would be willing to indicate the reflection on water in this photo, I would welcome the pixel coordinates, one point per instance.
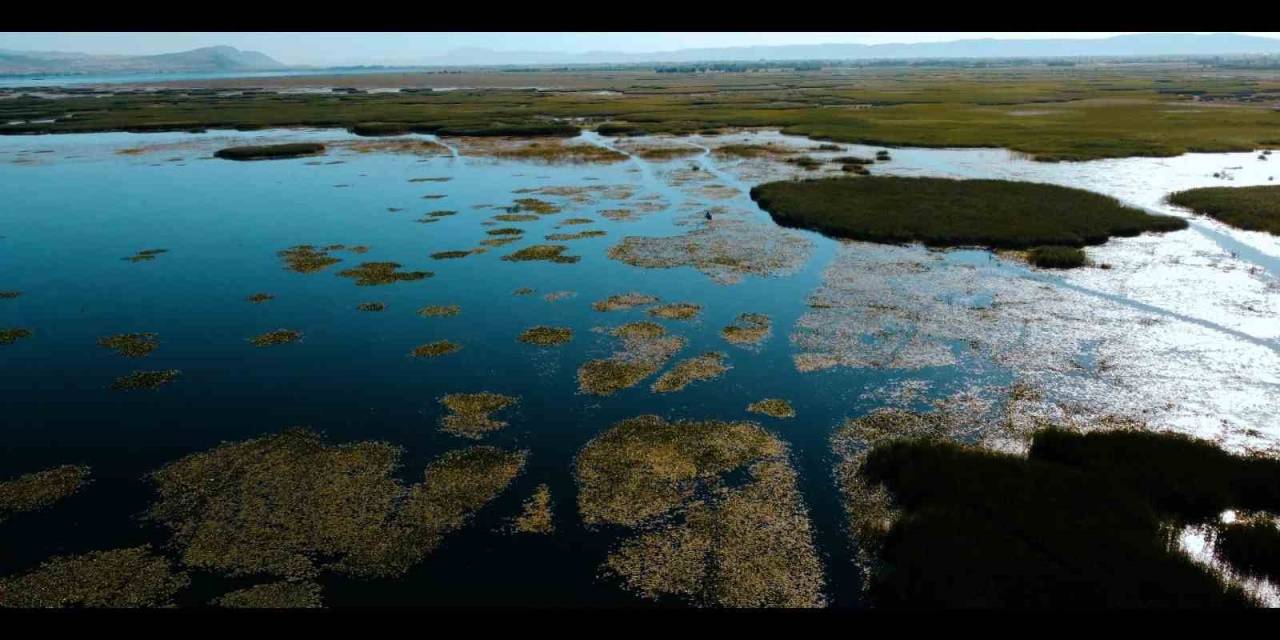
(1179, 330)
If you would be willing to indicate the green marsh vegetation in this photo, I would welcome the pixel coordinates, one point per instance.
(1250, 546)
(435, 349)
(694, 534)
(292, 505)
(371, 274)
(1079, 113)
(1056, 257)
(962, 526)
(544, 336)
(944, 212)
(12, 335)
(277, 337)
(38, 490)
(469, 413)
(120, 578)
(130, 345)
(270, 151)
(286, 594)
(1250, 208)
(545, 252)
(149, 380)
(773, 407)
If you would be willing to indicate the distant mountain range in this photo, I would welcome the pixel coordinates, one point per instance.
(1139, 45)
(196, 60)
(230, 59)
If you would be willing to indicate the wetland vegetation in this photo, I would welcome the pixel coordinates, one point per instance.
(1250, 208)
(945, 212)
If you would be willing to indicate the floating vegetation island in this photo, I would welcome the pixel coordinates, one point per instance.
(435, 349)
(145, 380)
(676, 311)
(773, 407)
(122, 578)
(1251, 208)
(146, 255)
(372, 274)
(544, 252)
(259, 298)
(741, 543)
(707, 366)
(10, 336)
(35, 491)
(579, 235)
(292, 505)
(725, 252)
(273, 338)
(543, 336)
(286, 594)
(646, 347)
(440, 311)
(623, 301)
(371, 306)
(270, 151)
(535, 514)
(130, 345)
(469, 413)
(748, 329)
(944, 212)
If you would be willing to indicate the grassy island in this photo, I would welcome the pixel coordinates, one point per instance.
(271, 151)
(945, 213)
(1250, 208)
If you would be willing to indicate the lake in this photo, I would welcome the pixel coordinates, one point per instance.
(1179, 331)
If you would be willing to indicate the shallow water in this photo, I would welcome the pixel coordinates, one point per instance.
(75, 208)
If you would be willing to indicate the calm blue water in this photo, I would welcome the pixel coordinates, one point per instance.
(75, 208)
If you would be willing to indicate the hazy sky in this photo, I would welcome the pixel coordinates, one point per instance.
(393, 48)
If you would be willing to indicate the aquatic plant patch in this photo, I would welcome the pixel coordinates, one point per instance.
(676, 311)
(748, 329)
(372, 274)
(259, 298)
(292, 505)
(535, 514)
(440, 311)
(150, 380)
(543, 252)
(38, 490)
(544, 336)
(622, 301)
(371, 306)
(286, 594)
(12, 335)
(773, 407)
(580, 235)
(707, 366)
(435, 349)
(277, 337)
(146, 255)
(469, 413)
(645, 348)
(130, 345)
(117, 579)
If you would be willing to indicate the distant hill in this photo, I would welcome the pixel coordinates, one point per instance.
(1138, 45)
(196, 60)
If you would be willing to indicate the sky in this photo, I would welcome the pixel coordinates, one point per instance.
(315, 48)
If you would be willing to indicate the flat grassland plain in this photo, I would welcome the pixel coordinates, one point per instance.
(1072, 113)
(661, 393)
